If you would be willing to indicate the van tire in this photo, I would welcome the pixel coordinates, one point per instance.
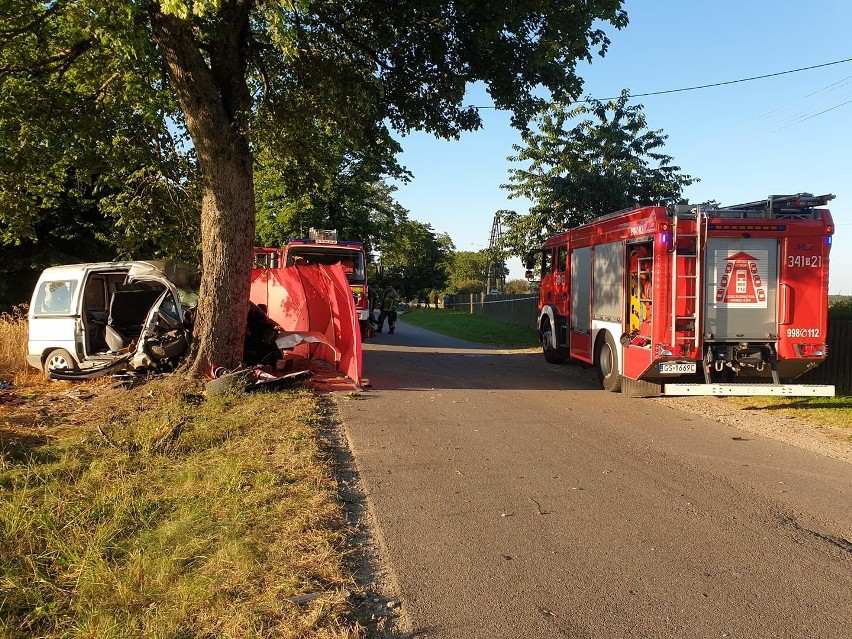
(59, 359)
(607, 359)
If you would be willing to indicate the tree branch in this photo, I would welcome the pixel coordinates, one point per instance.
(60, 62)
(30, 27)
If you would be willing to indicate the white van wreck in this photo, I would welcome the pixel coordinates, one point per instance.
(111, 315)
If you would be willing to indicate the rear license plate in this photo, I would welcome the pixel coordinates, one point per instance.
(677, 368)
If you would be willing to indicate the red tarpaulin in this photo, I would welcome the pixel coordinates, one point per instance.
(313, 301)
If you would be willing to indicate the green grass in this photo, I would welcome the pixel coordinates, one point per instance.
(831, 411)
(473, 328)
(156, 512)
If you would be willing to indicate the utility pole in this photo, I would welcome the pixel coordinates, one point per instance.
(495, 272)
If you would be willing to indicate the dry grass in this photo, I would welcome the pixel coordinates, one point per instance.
(13, 349)
(158, 512)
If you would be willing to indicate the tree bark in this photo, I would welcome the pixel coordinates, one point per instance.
(214, 97)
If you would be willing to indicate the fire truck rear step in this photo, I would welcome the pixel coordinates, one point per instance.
(787, 390)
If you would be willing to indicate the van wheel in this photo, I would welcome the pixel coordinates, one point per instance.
(552, 355)
(607, 360)
(59, 359)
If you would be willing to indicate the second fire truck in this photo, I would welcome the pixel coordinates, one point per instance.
(692, 300)
(322, 246)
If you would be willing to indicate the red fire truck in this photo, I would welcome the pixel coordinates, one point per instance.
(692, 300)
(322, 247)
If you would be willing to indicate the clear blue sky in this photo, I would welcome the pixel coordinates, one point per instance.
(786, 134)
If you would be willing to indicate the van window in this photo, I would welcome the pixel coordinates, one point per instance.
(54, 297)
(169, 306)
(95, 295)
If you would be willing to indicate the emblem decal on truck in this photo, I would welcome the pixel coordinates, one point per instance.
(741, 282)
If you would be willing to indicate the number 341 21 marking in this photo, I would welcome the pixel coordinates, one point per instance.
(804, 261)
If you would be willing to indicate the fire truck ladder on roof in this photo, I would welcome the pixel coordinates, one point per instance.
(689, 280)
(800, 206)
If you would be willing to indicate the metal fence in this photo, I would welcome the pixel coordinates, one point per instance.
(837, 367)
(523, 310)
(513, 309)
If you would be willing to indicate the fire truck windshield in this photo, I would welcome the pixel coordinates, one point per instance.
(352, 260)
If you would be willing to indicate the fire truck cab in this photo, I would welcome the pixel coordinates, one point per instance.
(322, 247)
(690, 300)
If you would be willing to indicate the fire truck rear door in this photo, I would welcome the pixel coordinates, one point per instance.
(741, 294)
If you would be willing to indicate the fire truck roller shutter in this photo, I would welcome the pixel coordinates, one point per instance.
(742, 288)
(581, 290)
(608, 286)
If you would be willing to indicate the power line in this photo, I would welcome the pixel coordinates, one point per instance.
(710, 86)
(756, 77)
(831, 87)
(813, 115)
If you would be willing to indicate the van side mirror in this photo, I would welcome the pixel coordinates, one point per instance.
(528, 274)
(529, 260)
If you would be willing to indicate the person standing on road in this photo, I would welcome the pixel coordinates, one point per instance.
(374, 300)
(388, 309)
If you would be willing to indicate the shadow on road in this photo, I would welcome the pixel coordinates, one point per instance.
(415, 359)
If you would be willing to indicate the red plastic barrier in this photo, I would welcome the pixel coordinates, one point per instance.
(316, 299)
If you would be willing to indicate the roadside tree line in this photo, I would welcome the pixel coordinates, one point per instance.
(199, 129)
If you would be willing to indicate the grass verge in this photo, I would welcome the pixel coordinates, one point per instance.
(830, 411)
(157, 512)
(473, 328)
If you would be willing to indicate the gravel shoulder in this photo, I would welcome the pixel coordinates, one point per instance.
(831, 441)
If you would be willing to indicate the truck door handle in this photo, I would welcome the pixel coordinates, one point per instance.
(784, 303)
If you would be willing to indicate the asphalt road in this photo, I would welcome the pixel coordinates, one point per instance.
(514, 498)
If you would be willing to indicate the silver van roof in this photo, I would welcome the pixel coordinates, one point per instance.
(179, 273)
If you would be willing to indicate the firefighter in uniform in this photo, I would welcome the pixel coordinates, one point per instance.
(374, 301)
(387, 309)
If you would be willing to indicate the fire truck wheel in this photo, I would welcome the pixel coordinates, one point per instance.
(551, 355)
(607, 359)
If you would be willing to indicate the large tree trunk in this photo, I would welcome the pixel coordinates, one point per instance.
(215, 101)
(227, 234)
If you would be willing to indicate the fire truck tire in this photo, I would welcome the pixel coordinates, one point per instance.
(551, 355)
(607, 360)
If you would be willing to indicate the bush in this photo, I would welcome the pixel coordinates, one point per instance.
(840, 308)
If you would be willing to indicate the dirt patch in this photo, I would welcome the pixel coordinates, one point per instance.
(831, 441)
